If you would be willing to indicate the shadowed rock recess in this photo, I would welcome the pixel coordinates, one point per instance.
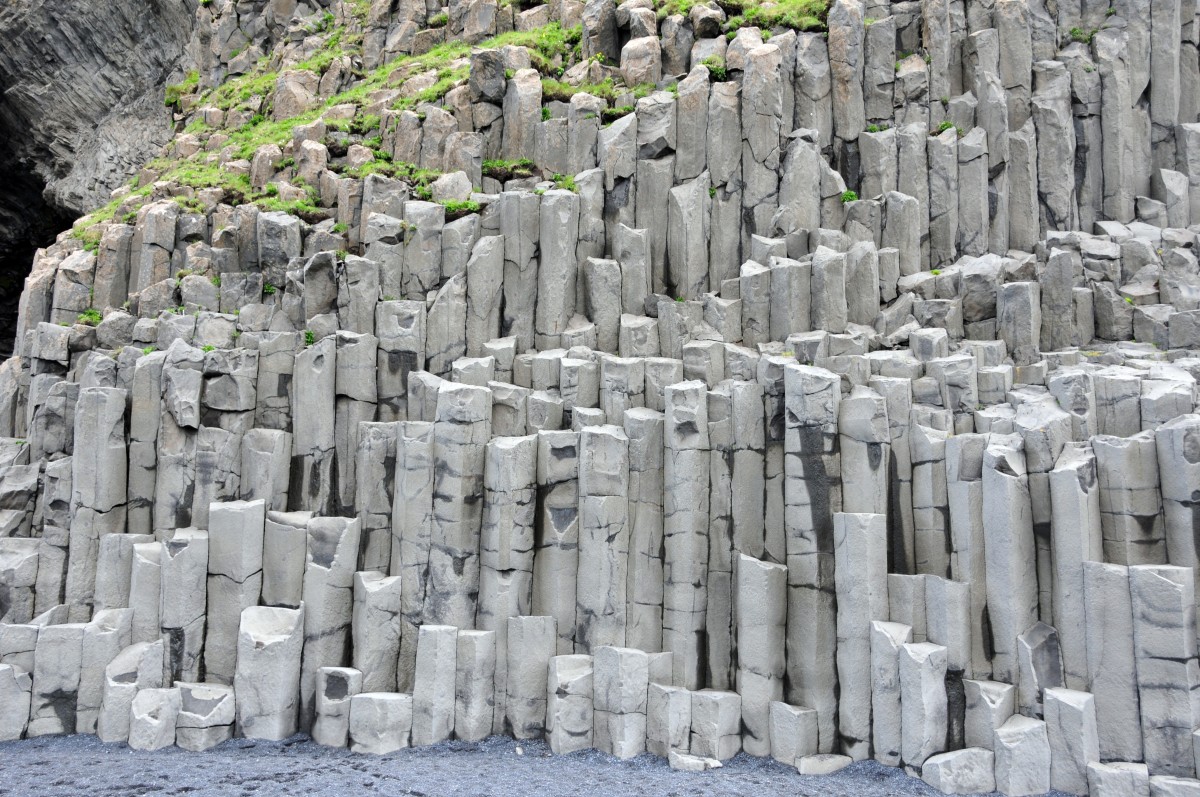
(814, 382)
(81, 90)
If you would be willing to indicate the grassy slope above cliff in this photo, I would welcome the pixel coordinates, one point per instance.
(207, 164)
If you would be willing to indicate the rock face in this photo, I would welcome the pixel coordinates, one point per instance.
(83, 102)
(800, 396)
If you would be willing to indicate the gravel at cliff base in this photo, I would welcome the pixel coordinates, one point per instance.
(498, 767)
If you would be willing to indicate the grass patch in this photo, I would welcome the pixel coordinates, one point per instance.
(456, 209)
(177, 91)
(504, 171)
(90, 316)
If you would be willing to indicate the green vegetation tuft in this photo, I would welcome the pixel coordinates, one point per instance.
(176, 91)
(456, 209)
(716, 67)
(505, 170)
(90, 316)
(849, 196)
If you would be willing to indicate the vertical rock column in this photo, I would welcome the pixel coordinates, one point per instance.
(897, 395)
(182, 602)
(964, 489)
(1168, 678)
(557, 269)
(620, 682)
(864, 441)
(98, 479)
(328, 601)
(56, 670)
(1130, 503)
(887, 729)
(719, 620)
(942, 155)
(506, 546)
(1055, 146)
(601, 585)
(434, 684)
(761, 627)
(860, 552)
(460, 434)
(556, 555)
(1010, 552)
(644, 599)
(812, 494)
(400, 326)
(685, 529)
(375, 477)
(762, 108)
(1178, 445)
(375, 629)
(267, 678)
(412, 527)
(1075, 539)
(235, 575)
(531, 645)
(145, 411)
(313, 439)
(519, 225)
(1108, 623)
(927, 449)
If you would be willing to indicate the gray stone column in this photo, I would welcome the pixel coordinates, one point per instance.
(506, 546)
(685, 529)
(761, 631)
(860, 551)
(1010, 554)
(460, 433)
(601, 585)
(556, 557)
(812, 494)
(644, 429)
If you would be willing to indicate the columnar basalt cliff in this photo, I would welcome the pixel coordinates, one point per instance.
(818, 382)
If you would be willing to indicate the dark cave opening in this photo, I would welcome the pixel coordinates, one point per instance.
(27, 222)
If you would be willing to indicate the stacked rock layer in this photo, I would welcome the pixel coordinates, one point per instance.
(692, 452)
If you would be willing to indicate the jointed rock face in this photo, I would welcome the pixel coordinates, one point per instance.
(638, 379)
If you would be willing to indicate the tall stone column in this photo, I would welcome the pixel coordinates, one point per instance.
(964, 489)
(644, 601)
(235, 576)
(1010, 555)
(412, 533)
(313, 440)
(328, 602)
(685, 529)
(1168, 677)
(460, 433)
(860, 551)
(812, 494)
(761, 630)
(1108, 623)
(375, 477)
(506, 546)
(1075, 538)
(98, 484)
(601, 585)
(930, 500)
(864, 439)
(1176, 442)
(184, 563)
(556, 545)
